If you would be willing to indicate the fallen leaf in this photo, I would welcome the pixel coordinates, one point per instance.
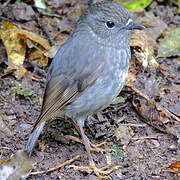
(23, 34)
(131, 78)
(53, 50)
(38, 57)
(155, 24)
(15, 41)
(117, 154)
(143, 47)
(174, 168)
(175, 165)
(143, 53)
(155, 115)
(15, 47)
(17, 167)
(123, 134)
(42, 7)
(4, 128)
(22, 11)
(170, 45)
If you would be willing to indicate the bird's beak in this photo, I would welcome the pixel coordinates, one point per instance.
(136, 26)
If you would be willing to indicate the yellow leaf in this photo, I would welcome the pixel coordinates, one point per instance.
(38, 58)
(15, 47)
(15, 41)
(34, 37)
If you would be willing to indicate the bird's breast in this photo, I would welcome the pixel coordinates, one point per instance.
(106, 87)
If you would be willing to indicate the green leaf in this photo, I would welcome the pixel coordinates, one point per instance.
(131, 5)
(42, 7)
(170, 45)
(18, 1)
(117, 153)
(20, 89)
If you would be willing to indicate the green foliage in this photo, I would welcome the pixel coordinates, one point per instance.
(20, 89)
(42, 7)
(170, 45)
(18, 1)
(117, 153)
(131, 5)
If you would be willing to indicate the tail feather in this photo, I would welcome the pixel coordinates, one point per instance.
(34, 137)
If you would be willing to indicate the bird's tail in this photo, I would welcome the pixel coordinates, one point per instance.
(34, 137)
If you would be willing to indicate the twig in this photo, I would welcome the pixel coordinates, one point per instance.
(5, 148)
(134, 125)
(6, 3)
(73, 138)
(57, 166)
(147, 137)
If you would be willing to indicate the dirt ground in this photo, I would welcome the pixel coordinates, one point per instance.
(139, 150)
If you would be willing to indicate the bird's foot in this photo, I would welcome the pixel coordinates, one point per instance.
(100, 173)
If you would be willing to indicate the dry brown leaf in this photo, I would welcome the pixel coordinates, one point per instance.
(38, 57)
(174, 168)
(15, 47)
(131, 78)
(155, 26)
(4, 128)
(123, 134)
(17, 167)
(53, 50)
(143, 46)
(175, 165)
(155, 115)
(77, 11)
(15, 41)
(34, 37)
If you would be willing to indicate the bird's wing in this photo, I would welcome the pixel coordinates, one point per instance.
(75, 67)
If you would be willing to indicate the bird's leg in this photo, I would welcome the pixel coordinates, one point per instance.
(92, 166)
(94, 147)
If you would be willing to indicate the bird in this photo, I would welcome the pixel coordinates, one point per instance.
(88, 71)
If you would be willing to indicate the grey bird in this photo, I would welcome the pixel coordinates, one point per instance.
(89, 69)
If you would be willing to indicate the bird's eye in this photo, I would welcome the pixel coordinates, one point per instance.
(110, 24)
